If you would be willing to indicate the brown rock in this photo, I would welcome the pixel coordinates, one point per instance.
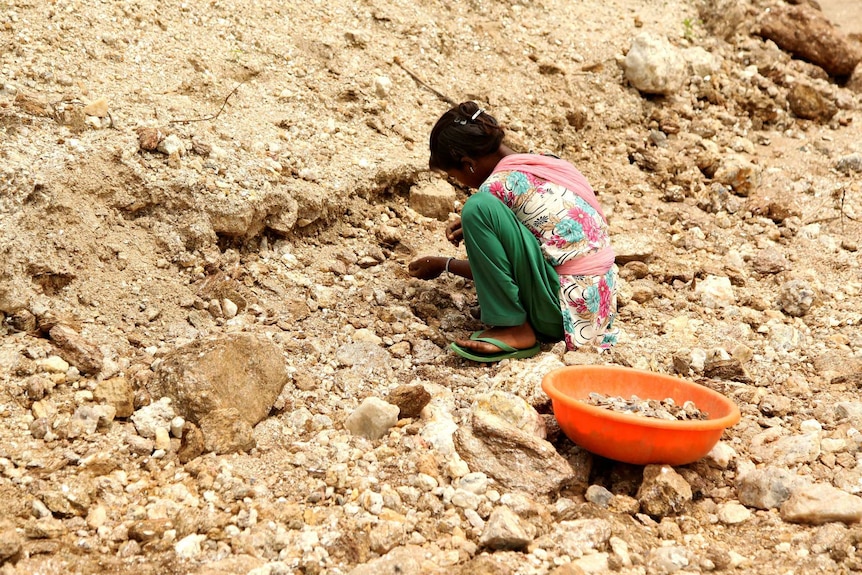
(23, 320)
(149, 138)
(769, 261)
(98, 108)
(807, 103)
(807, 34)
(726, 369)
(76, 350)
(10, 542)
(240, 371)
(774, 206)
(568, 569)
(663, 491)
(822, 503)
(118, 393)
(433, 198)
(225, 431)
(410, 399)
(191, 444)
(484, 564)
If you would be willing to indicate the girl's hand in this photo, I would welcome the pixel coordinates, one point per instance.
(454, 233)
(427, 267)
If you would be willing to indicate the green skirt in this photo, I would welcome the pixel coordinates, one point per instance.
(514, 282)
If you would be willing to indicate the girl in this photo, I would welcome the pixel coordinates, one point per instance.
(537, 242)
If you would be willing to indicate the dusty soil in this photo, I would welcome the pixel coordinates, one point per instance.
(303, 130)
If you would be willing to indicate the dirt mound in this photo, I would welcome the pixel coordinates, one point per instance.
(172, 172)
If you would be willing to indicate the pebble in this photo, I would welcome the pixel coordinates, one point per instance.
(372, 419)
(659, 409)
(503, 531)
(53, 364)
(97, 108)
(732, 513)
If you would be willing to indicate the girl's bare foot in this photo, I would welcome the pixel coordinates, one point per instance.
(519, 337)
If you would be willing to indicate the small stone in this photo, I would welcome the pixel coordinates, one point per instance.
(163, 439)
(796, 297)
(229, 308)
(715, 291)
(76, 350)
(98, 108)
(740, 174)
(53, 364)
(849, 164)
(410, 399)
(767, 488)
(663, 491)
(503, 530)
(149, 138)
(226, 431)
(171, 145)
(733, 513)
(807, 103)
(372, 419)
(721, 455)
(382, 86)
(118, 393)
(598, 495)
(191, 444)
(433, 198)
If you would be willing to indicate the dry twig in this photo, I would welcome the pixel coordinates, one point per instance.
(419, 81)
(212, 116)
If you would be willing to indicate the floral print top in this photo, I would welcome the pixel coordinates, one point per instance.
(567, 227)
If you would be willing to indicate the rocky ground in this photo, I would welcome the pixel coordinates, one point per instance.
(212, 359)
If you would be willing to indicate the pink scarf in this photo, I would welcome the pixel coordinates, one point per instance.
(563, 173)
(554, 170)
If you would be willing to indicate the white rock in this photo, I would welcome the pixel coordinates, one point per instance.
(654, 66)
(474, 482)
(154, 416)
(715, 292)
(372, 419)
(229, 308)
(465, 499)
(382, 86)
(172, 144)
(177, 426)
(732, 513)
(53, 364)
(721, 455)
(189, 547)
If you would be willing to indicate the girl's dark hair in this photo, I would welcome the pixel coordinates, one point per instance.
(464, 131)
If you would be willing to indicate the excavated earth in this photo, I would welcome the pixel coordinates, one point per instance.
(174, 172)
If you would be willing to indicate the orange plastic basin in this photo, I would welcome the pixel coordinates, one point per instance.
(635, 438)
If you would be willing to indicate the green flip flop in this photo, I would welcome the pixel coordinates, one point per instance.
(508, 352)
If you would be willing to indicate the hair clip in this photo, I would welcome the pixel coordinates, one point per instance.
(465, 121)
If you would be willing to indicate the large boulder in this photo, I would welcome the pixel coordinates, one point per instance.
(807, 34)
(240, 370)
